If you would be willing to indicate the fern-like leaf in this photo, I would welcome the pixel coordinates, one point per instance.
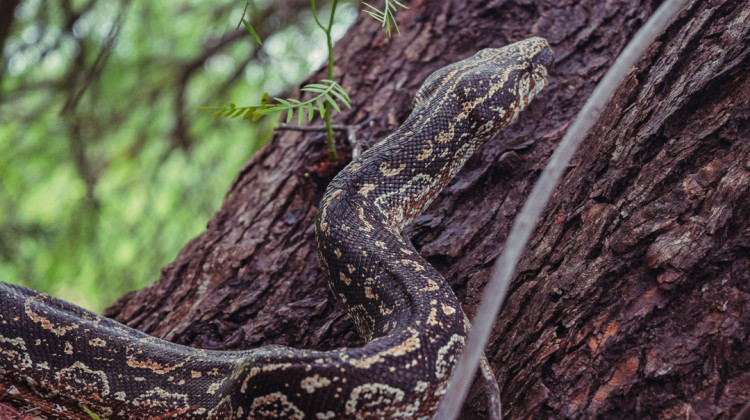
(326, 92)
(385, 16)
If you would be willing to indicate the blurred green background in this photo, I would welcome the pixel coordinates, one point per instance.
(105, 169)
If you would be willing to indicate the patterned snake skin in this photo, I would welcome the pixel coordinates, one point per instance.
(61, 358)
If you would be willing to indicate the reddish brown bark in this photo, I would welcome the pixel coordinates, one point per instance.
(633, 297)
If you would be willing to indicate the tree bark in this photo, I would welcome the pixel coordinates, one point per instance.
(632, 299)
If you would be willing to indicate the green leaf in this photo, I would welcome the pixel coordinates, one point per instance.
(92, 414)
(271, 110)
(249, 112)
(342, 98)
(248, 26)
(333, 103)
(264, 99)
(317, 85)
(252, 32)
(289, 115)
(321, 108)
(385, 17)
(310, 111)
(310, 88)
(375, 12)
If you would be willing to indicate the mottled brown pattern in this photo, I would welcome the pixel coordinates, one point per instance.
(63, 358)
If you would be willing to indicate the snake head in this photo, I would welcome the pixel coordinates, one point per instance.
(490, 88)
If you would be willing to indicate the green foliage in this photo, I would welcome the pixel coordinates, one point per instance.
(385, 17)
(95, 200)
(248, 26)
(92, 414)
(329, 92)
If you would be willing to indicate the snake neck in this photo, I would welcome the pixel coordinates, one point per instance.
(375, 273)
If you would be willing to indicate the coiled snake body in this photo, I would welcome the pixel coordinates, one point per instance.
(61, 358)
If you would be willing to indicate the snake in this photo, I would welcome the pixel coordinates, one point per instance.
(69, 362)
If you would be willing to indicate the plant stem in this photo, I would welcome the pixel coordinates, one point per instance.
(332, 154)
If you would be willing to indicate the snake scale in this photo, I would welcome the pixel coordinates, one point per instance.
(61, 358)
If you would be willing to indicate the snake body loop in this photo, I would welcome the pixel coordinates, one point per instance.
(61, 358)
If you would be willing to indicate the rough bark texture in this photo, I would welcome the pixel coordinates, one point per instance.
(633, 298)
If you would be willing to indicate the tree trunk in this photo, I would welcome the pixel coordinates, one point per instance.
(632, 299)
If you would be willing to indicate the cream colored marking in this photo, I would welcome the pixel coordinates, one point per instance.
(366, 188)
(373, 399)
(344, 278)
(79, 378)
(367, 226)
(337, 252)
(446, 356)
(432, 318)
(195, 374)
(97, 342)
(350, 268)
(44, 322)
(446, 136)
(311, 383)
(431, 285)
(415, 265)
(214, 387)
(385, 309)
(325, 416)
(18, 342)
(265, 368)
(275, 405)
(157, 368)
(410, 344)
(324, 210)
(389, 172)
(161, 398)
(68, 348)
(426, 152)
(448, 310)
